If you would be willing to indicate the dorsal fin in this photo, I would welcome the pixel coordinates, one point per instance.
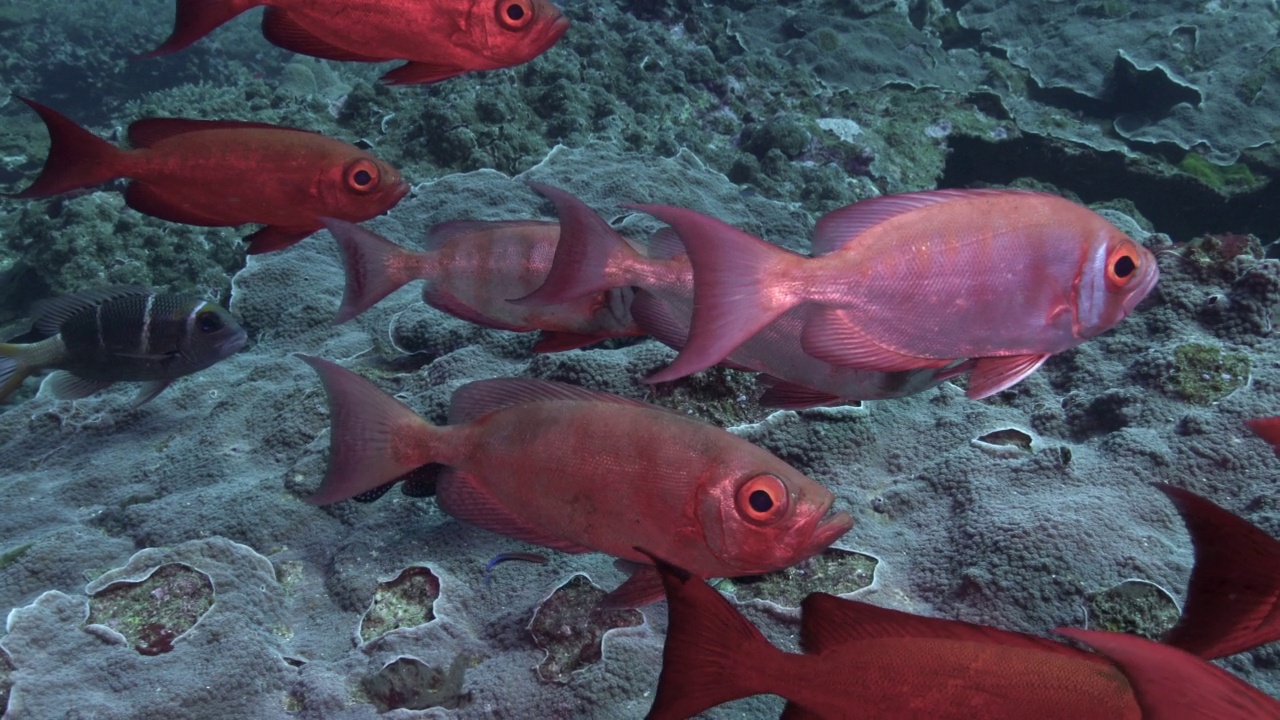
(148, 131)
(48, 316)
(828, 621)
(479, 398)
(840, 227)
(441, 233)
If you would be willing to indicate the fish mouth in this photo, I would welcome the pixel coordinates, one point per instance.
(829, 529)
(1144, 289)
(233, 344)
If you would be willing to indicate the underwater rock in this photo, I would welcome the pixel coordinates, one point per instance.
(1204, 374)
(410, 684)
(834, 571)
(404, 602)
(569, 626)
(153, 612)
(1006, 442)
(1136, 607)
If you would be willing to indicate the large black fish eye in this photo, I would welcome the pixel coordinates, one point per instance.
(208, 321)
(760, 501)
(362, 178)
(515, 12)
(1124, 266)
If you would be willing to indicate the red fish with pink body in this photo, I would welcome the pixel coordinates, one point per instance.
(1005, 278)
(221, 173)
(470, 268)
(591, 257)
(862, 662)
(578, 470)
(438, 38)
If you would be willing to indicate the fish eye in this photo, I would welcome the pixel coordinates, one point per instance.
(763, 499)
(515, 14)
(208, 321)
(1122, 265)
(362, 176)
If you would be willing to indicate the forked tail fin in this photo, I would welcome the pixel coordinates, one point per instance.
(77, 157)
(197, 18)
(375, 267)
(373, 438)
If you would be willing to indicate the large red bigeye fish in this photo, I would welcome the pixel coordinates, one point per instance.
(591, 257)
(862, 662)
(470, 267)
(220, 173)
(438, 38)
(919, 280)
(578, 470)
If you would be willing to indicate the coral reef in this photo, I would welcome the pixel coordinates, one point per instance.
(569, 626)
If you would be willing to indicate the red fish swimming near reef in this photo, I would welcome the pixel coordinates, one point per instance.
(470, 267)
(578, 470)
(863, 662)
(438, 38)
(591, 257)
(220, 173)
(919, 280)
(1233, 598)
(1267, 428)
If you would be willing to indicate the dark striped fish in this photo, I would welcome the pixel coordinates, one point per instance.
(120, 333)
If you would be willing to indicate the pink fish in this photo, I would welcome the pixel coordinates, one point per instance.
(919, 280)
(592, 257)
(470, 268)
(1233, 599)
(578, 470)
(862, 662)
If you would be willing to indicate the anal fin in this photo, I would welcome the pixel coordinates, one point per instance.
(68, 386)
(642, 588)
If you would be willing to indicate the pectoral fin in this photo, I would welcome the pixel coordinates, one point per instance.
(993, 374)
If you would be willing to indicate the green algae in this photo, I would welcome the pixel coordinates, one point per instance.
(834, 571)
(1204, 374)
(404, 602)
(12, 556)
(1227, 179)
(569, 626)
(1136, 607)
(152, 613)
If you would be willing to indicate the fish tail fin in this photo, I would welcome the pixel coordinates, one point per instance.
(197, 18)
(373, 438)
(712, 654)
(586, 253)
(730, 271)
(13, 368)
(1235, 582)
(375, 267)
(77, 157)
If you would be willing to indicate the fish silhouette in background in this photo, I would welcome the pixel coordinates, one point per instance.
(863, 662)
(470, 266)
(918, 280)
(220, 173)
(1233, 598)
(591, 257)
(120, 333)
(438, 38)
(579, 470)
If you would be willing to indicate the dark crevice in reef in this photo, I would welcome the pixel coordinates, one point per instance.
(1178, 205)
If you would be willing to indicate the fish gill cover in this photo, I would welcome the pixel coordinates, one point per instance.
(764, 115)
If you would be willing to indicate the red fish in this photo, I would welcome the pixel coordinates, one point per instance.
(592, 257)
(471, 267)
(1267, 428)
(578, 470)
(919, 280)
(438, 38)
(863, 662)
(219, 173)
(1233, 599)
